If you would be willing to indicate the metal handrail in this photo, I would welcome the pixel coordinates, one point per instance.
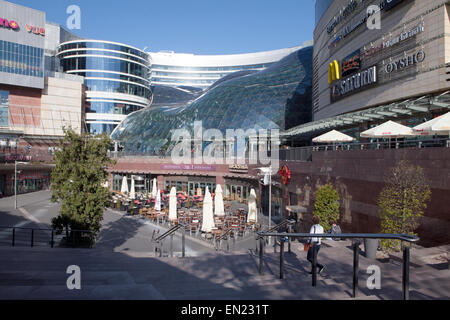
(170, 232)
(52, 232)
(357, 236)
(284, 223)
(383, 236)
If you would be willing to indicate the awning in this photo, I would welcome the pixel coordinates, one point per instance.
(408, 107)
(333, 137)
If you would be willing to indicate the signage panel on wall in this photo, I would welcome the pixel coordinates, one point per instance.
(405, 62)
(351, 63)
(354, 83)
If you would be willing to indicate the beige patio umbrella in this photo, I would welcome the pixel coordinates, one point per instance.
(437, 126)
(133, 189)
(389, 130)
(208, 214)
(219, 209)
(124, 189)
(333, 137)
(154, 189)
(158, 201)
(252, 208)
(173, 205)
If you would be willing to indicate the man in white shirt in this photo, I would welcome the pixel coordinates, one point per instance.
(315, 229)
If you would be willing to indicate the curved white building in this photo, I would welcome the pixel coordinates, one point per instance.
(201, 71)
(116, 76)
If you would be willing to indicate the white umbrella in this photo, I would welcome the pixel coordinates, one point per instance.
(219, 209)
(124, 188)
(133, 190)
(173, 204)
(389, 130)
(158, 201)
(438, 126)
(154, 189)
(252, 209)
(332, 137)
(208, 214)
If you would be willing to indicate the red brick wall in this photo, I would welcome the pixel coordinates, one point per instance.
(359, 178)
(24, 106)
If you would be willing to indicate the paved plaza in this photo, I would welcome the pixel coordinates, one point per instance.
(123, 266)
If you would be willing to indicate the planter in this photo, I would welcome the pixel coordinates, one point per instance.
(371, 248)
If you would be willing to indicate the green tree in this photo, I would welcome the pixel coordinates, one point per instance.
(327, 205)
(402, 202)
(77, 181)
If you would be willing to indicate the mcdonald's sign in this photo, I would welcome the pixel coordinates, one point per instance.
(334, 72)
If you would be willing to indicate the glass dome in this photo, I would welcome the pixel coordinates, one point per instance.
(279, 97)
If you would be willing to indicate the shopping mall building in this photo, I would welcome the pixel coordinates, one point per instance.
(355, 77)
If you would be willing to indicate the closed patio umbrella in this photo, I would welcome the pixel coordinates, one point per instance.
(154, 189)
(124, 188)
(133, 189)
(208, 214)
(219, 209)
(252, 208)
(158, 202)
(173, 204)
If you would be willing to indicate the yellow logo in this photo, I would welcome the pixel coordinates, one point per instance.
(334, 72)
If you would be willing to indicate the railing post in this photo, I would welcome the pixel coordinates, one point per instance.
(171, 245)
(183, 243)
(14, 237)
(314, 264)
(32, 238)
(355, 268)
(261, 253)
(406, 261)
(289, 239)
(281, 259)
(160, 249)
(52, 243)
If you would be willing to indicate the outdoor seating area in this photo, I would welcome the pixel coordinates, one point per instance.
(231, 221)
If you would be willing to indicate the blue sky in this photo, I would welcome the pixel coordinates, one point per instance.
(194, 26)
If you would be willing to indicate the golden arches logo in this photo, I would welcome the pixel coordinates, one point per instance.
(334, 72)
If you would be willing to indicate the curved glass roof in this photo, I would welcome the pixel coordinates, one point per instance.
(279, 97)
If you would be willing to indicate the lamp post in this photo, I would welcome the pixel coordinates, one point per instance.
(15, 182)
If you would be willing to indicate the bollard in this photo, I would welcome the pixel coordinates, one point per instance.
(406, 260)
(171, 245)
(183, 244)
(261, 252)
(314, 264)
(14, 237)
(289, 239)
(32, 238)
(281, 259)
(355, 268)
(52, 243)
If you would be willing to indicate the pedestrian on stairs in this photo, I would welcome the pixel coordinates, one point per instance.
(315, 229)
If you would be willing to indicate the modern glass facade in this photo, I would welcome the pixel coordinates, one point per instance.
(278, 97)
(4, 108)
(117, 78)
(21, 59)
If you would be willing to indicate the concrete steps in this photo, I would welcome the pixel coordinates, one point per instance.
(40, 273)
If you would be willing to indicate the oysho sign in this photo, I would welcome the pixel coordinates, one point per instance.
(405, 62)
